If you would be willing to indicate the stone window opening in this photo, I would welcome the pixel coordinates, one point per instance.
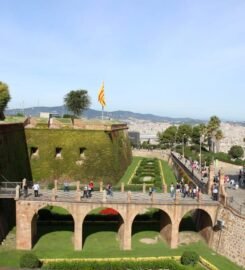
(58, 152)
(34, 152)
(82, 152)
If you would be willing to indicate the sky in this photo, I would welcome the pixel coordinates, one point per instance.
(177, 58)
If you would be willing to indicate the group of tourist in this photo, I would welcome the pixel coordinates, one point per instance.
(87, 190)
(186, 190)
(24, 187)
(195, 166)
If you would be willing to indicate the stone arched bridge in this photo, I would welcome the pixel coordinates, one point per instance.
(127, 204)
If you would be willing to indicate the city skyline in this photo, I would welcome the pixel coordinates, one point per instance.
(176, 59)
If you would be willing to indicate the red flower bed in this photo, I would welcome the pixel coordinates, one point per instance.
(108, 211)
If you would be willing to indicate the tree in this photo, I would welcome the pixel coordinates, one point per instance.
(4, 98)
(197, 132)
(168, 136)
(218, 137)
(184, 133)
(212, 127)
(77, 101)
(236, 151)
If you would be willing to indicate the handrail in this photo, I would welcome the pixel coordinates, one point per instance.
(194, 178)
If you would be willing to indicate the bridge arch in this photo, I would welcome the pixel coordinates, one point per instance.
(44, 216)
(159, 219)
(111, 215)
(199, 220)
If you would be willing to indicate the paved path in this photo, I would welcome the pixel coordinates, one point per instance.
(236, 199)
(118, 197)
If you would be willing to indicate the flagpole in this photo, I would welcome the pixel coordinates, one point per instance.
(102, 113)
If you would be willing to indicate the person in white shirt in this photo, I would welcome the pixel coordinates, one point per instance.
(36, 189)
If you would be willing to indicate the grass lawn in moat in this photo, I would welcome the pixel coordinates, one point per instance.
(102, 242)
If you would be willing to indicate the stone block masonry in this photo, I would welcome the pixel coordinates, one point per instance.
(230, 241)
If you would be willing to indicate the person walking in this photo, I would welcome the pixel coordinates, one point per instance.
(85, 192)
(91, 184)
(109, 190)
(25, 187)
(215, 193)
(36, 189)
(150, 191)
(66, 186)
(172, 190)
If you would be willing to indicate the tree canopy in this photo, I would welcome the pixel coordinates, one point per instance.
(77, 101)
(168, 136)
(4, 98)
(236, 151)
(184, 133)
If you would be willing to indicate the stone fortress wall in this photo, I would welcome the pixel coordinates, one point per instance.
(14, 160)
(230, 241)
(48, 149)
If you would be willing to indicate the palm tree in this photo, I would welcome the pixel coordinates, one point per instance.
(212, 127)
(218, 136)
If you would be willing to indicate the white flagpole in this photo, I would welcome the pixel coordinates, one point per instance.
(102, 113)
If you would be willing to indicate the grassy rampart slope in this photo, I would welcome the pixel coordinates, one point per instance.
(106, 155)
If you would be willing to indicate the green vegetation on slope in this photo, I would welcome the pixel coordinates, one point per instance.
(84, 154)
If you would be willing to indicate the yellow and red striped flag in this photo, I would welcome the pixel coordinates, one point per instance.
(101, 95)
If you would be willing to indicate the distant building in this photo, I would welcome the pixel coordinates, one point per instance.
(152, 139)
(134, 137)
(48, 115)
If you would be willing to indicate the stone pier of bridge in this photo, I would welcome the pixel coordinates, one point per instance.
(171, 216)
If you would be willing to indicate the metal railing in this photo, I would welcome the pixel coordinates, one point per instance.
(196, 178)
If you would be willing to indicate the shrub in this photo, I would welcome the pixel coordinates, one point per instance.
(29, 260)
(115, 265)
(189, 257)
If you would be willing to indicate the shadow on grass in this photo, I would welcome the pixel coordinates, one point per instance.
(90, 228)
(139, 226)
(43, 229)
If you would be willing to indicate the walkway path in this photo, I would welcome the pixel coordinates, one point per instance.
(118, 197)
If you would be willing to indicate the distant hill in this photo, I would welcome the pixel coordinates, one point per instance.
(90, 113)
(120, 115)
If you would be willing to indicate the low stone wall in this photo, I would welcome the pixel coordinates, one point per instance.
(228, 168)
(230, 241)
(160, 154)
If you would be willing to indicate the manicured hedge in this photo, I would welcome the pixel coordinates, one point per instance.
(115, 265)
(148, 167)
(29, 260)
(189, 258)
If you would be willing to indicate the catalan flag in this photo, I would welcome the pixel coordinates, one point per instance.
(101, 95)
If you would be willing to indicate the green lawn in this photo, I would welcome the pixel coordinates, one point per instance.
(168, 174)
(167, 171)
(129, 171)
(101, 242)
